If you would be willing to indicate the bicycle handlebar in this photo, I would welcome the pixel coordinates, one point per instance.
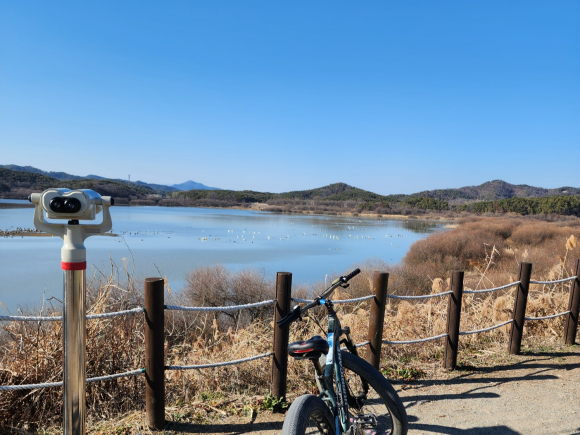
(292, 316)
(352, 275)
(296, 312)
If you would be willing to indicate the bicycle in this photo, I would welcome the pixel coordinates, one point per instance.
(355, 398)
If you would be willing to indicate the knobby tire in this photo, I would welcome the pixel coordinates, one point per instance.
(382, 399)
(308, 414)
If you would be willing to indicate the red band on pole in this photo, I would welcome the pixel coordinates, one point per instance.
(73, 266)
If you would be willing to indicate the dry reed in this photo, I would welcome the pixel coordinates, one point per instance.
(489, 250)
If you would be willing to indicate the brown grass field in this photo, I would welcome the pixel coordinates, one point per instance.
(489, 250)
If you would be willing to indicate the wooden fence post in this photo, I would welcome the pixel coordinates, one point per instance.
(377, 318)
(520, 302)
(571, 326)
(281, 335)
(453, 319)
(154, 353)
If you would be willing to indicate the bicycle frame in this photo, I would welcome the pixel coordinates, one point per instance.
(338, 399)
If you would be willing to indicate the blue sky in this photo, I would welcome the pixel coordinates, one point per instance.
(388, 96)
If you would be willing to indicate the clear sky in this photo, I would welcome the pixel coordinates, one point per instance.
(388, 96)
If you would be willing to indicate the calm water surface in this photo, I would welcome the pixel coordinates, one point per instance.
(173, 241)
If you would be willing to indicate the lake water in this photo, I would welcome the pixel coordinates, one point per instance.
(170, 241)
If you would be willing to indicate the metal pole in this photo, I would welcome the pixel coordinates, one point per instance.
(154, 352)
(74, 350)
(73, 257)
(520, 302)
(377, 318)
(281, 335)
(453, 320)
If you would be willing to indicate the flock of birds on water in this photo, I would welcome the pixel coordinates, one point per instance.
(18, 231)
(248, 236)
(244, 237)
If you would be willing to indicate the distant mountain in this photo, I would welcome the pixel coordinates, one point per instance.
(63, 176)
(333, 192)
(490, 191)
(495, 190)
(341, 198)
(19, 184)
(192, 185)
(339, 192)
(57, 175)
(17, 180)
(158, 187)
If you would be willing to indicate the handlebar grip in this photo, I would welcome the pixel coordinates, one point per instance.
(293, 315)
(352, 274)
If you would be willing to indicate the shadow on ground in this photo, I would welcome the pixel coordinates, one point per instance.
(234, 429)
(435, 428)
(543, 363)
(539, 364)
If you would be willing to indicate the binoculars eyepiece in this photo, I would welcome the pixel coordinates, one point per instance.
(64, 205)
(82, 204)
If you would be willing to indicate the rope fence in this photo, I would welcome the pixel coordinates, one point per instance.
(31, 318)
(340, 301)
(488, 290)
(59, 384)
(486, 329)
(224, 308)
(116, 314)
(302, 301)
(419, 340)
(30, 386)
(436, 295)
(59, 318)
(572, 278)
(220, 364)
(155, 309)
(273, 301)
(548, 317)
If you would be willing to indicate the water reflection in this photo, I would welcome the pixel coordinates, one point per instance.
(421, 226)
(172, 241)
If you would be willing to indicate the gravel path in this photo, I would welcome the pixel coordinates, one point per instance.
(535, 394)
(538, 395)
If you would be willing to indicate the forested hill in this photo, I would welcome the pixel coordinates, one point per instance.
(495, 190)
(492, 197)
(341, 197)
(20, 184)
(57, 175)
(332, 192)
(63, 176)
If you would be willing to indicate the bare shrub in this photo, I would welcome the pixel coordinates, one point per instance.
(216, 286)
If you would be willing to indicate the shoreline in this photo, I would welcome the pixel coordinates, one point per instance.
(263, 207)
(257, 206)
(40, 234)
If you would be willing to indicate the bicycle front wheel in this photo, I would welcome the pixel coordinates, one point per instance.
(308, 415)
(372, 399)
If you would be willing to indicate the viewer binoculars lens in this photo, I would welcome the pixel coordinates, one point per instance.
(65, 205)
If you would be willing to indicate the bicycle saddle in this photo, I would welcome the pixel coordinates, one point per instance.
(310, 349)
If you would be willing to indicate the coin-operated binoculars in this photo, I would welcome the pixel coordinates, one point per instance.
(74, 206)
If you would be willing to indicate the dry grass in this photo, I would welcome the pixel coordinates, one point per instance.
(489, 250)
(31, 352)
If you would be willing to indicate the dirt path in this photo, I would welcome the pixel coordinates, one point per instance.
(533, 394)
(537, 395)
